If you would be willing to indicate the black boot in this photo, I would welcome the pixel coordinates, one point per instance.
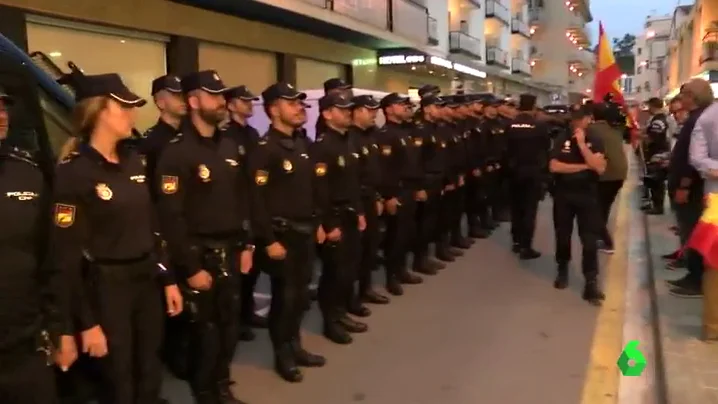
(306, 358)
(408, 278)
(358, 309)
(434, 264)
(393, 286)
(443, 253)
(285, 364)
(561, 281)
(225, 395)
(371, 296)
(528, 254)
(479, 232)
(353, 326)
(422, 266)
(592, 293)
(335, 332)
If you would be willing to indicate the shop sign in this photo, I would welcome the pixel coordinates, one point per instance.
(401, 60)
(414, 59)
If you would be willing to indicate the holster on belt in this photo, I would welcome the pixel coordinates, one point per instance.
(217, 258)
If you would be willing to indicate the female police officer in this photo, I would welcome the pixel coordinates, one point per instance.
(25, 376)
(103, 242)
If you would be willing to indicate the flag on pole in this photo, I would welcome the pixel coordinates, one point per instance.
(704, 238)
(607, 71)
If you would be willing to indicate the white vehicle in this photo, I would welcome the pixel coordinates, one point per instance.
(260, 121)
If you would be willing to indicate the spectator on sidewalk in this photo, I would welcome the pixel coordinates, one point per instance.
(697, 148)
(611, 180)
(679, 114)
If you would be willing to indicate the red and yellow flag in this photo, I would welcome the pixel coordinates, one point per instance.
(607, 71)
(704, 238)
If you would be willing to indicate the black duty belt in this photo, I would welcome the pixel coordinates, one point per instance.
(118, 261)
(304, 226)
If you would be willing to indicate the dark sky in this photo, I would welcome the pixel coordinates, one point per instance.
(627, 16)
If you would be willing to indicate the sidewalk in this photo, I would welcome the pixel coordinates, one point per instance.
(691, 366)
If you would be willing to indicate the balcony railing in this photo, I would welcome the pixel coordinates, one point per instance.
(460, 42)
(518, 26)
(433, 31)
(409, 19)
(494, 9)
(497, 56)
(370, 12)
(520, 66)
(709, 47)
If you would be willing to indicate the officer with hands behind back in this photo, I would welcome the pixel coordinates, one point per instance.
(577, 161)
(527, 147)
(204, 212)
(343, 219)
(363, 133)
(31, 322)
(103, 240)
(240, 109)
(284, 215)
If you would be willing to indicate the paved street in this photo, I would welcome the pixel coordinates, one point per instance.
(487, 330)
(691, 366)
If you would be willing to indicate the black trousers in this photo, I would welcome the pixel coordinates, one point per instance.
(400, 234)
(476, 211)
(214, 325)
(340, 268)
(129, 308)
(458, 200)
(687, 216)
(289, 279)
(607, 192)
(427, 221)
(526, 194)
(370, 241)
(25, 377)
(581, 206)
(248, 284)
(502, 193)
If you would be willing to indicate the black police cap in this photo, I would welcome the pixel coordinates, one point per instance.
(393, 98)
(461, 99)
(432, 99)
(335, 100)
(206, 80)
(283, 91)
(240, 92)
(429, 89)
(336, 84)
(5, 97)
(450, 101)
(107, 85)
(168, 82)
(366, 101)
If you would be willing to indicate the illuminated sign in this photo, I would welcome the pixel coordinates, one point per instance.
(414, 59)
(401, 60)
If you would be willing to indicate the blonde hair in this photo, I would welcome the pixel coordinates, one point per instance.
(700, 91)
(84, 118)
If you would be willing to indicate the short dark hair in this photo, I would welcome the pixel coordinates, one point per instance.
(580, 113)
(600, 111)
(655, 102)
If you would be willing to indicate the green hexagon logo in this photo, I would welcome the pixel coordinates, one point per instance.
(632, 362)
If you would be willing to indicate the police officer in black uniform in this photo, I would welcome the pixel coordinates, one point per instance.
(168, 97)
(31, 322)
(204, 212)
(480, 145)
(334, 85)
(656, 142)
(528, 144)
(476, 212)
(103, 243)
(401, 186)
(363, 134)
(284, 213)
(459, 164)
(343, 219)
(429, 89)
(577, 162)
(240, 108)
(494, 129)
(434, 160)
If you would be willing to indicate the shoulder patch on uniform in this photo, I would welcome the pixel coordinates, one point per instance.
(22, 155)
(170, 184)
(320, 169)
(64, 215)
(261, 177)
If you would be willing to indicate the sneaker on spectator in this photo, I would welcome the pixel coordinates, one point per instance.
(684, 282)
(675, 264)
(686, 293)
(672, 256)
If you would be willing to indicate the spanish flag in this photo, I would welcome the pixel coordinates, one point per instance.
(607, 71)
(704, 238)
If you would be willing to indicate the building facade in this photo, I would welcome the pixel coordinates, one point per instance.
(693, 46)
(650, 52)
(474, 45)
(561, 46)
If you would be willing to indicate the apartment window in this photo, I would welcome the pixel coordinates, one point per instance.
(638, 89)
(638, 70)
(647, 86)
(638, 51)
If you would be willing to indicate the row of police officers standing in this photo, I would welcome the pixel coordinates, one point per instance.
(182, 222)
